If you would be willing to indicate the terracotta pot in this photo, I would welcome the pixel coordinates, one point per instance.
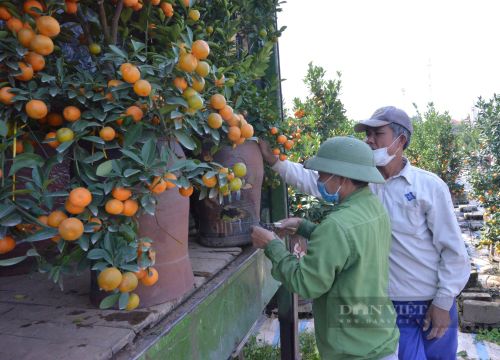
(61, 178)
(169, 231)
(228, 224)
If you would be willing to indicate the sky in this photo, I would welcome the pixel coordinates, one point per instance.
(394, 52)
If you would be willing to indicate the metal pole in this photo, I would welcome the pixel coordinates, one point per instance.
(287, 301)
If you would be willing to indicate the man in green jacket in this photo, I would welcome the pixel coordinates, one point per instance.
(346, 266)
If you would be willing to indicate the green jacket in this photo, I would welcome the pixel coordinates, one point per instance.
(345, 271)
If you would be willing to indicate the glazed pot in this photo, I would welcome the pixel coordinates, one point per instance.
(228, 224)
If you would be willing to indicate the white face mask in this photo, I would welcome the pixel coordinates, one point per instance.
(382, 157)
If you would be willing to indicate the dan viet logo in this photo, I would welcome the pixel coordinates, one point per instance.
(372, 312)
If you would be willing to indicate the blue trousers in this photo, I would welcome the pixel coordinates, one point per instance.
(413, 344)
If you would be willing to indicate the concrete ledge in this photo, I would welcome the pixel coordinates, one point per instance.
(480, 296)
(482, 312)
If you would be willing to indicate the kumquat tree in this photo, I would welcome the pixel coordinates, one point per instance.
(96, 97)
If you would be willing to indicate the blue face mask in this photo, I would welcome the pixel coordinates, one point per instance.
(333, 198)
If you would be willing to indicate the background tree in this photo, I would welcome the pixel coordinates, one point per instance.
(485, 169)
(319, 116)
(435, 146)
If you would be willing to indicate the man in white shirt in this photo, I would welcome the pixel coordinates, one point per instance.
(428, 262)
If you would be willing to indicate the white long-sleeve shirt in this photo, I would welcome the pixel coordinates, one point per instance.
(428, 258)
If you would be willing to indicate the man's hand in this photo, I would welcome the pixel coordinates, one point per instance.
(261, 237)
(438, 319)
(288, 226)
(267, 152)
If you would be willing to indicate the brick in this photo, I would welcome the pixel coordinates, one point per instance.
(478, 215)
(468, 327)
(467, 208)
(476, 225)
(482, 312)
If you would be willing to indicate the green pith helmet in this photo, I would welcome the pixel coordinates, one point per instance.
(347, 157)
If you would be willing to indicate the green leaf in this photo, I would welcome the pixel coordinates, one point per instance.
(64, 146)
(176, 114)
(32, 252)
(100, 266)
(83, 241)
(185, 140)
(239, 101)
(44, 234)
(47, 78)
(105, 168)
(109, 301)
(127, 232)
(148, 152)
(148, 204)
(53, 91)
(98, 114)
(96, 157)
(167, 108)
(57, 194)
(133, 268)
(130, 172)
(132, 155)
(133, 134)
(215, 134)
(6, 209)
(180, 164)
(36, 175)
(189, 32)
(122, 302)
(81, 125)
(12, 261)
(126, 14)
(95, 237)
(194, 125)
(213, 193)
(11, 220)
(94, 139)
(108, 187)
(3, 129)
(118, 51)
(176, 101)
(26, 160)
(116, 168)
(97, 254)
(137, 46)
